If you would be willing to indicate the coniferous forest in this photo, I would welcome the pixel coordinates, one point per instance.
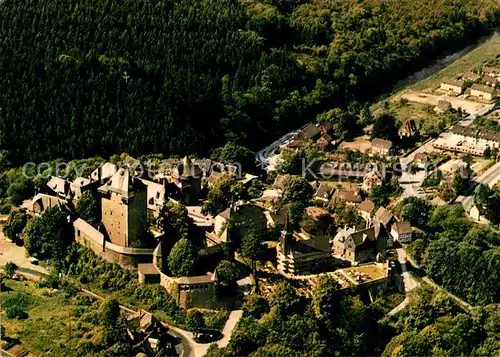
(80, 78)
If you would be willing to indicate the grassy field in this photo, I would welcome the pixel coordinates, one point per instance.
(475, 58)
(424, 115)
(50, 314)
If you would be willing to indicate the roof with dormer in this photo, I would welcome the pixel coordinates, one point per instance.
(122, 182)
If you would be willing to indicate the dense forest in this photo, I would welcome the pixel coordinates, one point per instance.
(80, 78)
(461, 256)
(335, 324)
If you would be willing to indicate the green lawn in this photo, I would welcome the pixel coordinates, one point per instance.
(50, 313)
(423, 114)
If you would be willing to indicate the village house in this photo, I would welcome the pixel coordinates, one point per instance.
(370, 180)
(471, 77)
(385, 217)
(323, 191)
(296, 256)
(452, 85)
(359, 246)
(206, 165)
(41, 202)
(381, 147)
(60, 187)
(103, 173)
(402, 232)
(479, 137)
(491, 71)
(367, 209)
(483, 92)
(123, 235)
(221, 222)
(350, 197)
(409, 129)
(316, 212)
(295, 143)
(187, 291)
(156, 196)
(324, 141)
(247, 180)
(79, 186)
(149, 336)
(202, 221)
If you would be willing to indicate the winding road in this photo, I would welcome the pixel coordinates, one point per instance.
(410, 283)
(490, 178)
(191, 348)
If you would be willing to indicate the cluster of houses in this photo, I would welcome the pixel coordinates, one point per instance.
(298, 252)
(483, 85)
(468, 140)
(319, 133)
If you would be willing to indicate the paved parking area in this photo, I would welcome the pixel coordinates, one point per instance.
(10, 252)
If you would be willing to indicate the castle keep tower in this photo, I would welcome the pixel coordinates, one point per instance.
(124, 208)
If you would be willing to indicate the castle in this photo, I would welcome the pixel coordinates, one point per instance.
(126, 202)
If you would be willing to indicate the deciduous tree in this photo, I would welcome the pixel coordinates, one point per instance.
(296, 189)
(49, 236)
(182, 258)
(87, 209)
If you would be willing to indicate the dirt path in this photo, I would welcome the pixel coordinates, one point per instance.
(468, 106)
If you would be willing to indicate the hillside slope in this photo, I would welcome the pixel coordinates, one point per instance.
(80, 78)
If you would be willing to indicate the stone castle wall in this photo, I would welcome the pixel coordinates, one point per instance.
(126, 257)
(205, 297)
